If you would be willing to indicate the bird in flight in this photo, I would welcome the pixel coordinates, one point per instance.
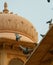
(50, 21)
(42, 35)
(17, 37)
(26, 50)
(48, 1)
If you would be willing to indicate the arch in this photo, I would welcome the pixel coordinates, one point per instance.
(16, 61)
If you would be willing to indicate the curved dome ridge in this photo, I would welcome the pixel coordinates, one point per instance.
(16, 24)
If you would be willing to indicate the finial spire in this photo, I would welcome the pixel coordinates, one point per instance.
(5, 5)
(5, 8)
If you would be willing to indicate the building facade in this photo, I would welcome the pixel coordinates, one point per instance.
(18, 38)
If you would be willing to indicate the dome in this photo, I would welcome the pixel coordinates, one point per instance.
(12, 23)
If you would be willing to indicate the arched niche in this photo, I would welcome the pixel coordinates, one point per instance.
(16, 61)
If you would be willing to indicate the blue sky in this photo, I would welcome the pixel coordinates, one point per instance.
(38, 12)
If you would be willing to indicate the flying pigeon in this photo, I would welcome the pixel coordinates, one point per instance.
(26, 50)
(17, 37)
(42, 35)
(49, 21)
(48, 1)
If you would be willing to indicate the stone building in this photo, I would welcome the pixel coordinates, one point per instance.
(43, 52)
(18, 41)
(18, 38)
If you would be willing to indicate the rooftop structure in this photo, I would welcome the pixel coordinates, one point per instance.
(18, 38)
(43, 53)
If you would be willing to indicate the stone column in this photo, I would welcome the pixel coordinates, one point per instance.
(3, 57)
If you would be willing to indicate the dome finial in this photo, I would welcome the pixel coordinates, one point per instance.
(5, 5)
(5, 8)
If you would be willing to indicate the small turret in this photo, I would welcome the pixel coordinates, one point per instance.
(5, 8)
